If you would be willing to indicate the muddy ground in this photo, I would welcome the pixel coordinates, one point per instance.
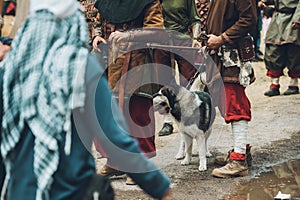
(274, 133)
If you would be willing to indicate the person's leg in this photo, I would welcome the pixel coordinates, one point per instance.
(74, 171)
(259, 28)
(255, 35)
(293, 87)
(186, 70)
(185, 60)
(141, 123)
(238, 113)
(102, 118)
(275, 61)
(293, 65)
(165, 74)
(139, 117)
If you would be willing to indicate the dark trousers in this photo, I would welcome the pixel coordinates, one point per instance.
(278, 57)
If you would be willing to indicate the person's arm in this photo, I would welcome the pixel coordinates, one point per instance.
(246, 22)
(193, 13)
(194, 22)
(196, 35)
(97, 37)
(102, 118)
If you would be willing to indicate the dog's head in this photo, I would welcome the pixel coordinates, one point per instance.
(165, 99)
(161, 103)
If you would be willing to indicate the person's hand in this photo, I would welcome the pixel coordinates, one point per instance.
(3, 50)
(295, 25)
(118, 36)
(214, 42)
(97, 40)
(196, 43)
(168, 195)
(261, 4)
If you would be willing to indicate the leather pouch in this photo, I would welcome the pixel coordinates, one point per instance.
(246, 48)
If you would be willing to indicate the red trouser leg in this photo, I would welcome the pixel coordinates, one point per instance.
(141, 123)
(237, 103)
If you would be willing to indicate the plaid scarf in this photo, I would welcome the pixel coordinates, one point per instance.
(43, 82)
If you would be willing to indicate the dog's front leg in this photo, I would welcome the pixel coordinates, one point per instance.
(207, 134)
(188, 140)
(201, 140)
(181, 151)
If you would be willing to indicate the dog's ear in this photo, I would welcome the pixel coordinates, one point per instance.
(169, 92)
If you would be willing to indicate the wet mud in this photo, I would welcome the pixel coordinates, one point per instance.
(283, 178)
(276, 167)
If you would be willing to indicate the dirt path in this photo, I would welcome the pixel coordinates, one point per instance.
(274, 134)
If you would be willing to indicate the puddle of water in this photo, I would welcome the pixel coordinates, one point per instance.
(284, 177)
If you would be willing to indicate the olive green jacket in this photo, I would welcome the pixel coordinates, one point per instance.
(280, 29)
(180, 15)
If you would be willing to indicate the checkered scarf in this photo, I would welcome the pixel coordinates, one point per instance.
(43, 82)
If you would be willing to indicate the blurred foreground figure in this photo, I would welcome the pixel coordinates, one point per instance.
(48, 81)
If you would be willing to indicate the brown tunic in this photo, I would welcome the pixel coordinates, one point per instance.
(235, 18)
(151, 17)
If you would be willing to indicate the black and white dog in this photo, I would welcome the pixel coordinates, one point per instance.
(194, 114)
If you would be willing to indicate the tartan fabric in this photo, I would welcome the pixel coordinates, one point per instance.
(43, 82)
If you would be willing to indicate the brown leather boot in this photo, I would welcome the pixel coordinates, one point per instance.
(232, 169)
(107, 171)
